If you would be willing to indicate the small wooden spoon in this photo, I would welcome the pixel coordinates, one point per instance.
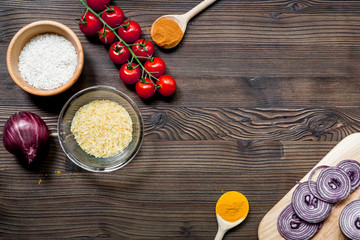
(183, 19)
(224, 226)
(230, 203)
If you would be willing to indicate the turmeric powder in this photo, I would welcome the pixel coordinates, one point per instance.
(166, 33)
(232, 206)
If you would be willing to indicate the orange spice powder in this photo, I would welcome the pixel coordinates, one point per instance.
(166, 33)
(232, 206)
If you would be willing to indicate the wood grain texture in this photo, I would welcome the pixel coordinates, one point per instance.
(156, 195)
(265, 90)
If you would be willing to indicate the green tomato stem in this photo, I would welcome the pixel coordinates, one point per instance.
(122, 41)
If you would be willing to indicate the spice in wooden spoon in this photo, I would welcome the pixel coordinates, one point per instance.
(166, 33)
(168, 30)
(231, 210)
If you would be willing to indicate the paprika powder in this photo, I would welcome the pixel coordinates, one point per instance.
(166, 33)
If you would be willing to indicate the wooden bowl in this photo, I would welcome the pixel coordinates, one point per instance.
(23, 36)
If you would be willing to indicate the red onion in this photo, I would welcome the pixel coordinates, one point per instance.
(352, 169)
(349, 220)
(307, 206)
(291, 227)
(24, 134)
(315, 193)
(333, 184)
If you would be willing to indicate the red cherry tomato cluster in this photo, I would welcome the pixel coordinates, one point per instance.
(135, 54)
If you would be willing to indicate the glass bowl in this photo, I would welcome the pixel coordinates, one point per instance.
(71, 148)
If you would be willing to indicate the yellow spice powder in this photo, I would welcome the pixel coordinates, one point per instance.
(232, 206)
(166, 33)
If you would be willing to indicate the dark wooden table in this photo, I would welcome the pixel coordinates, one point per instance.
(265, 90)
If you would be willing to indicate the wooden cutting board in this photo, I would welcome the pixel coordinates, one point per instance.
(348, 148)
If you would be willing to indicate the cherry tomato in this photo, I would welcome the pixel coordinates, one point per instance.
(130, 74)
(130, 31)
(89, 24)
(156, 66)
(167, 85)
(144, 88)
(119, 53)
(97, 5)
(106, 36)
(143, 49)
(113, 16)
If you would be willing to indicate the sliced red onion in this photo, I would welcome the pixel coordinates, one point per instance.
(315, 193)
(352, 169)
(333, 184)
(349, 220)
(307, 206)
(291, 227)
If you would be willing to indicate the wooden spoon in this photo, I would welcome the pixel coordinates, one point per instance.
(183, 19)
(235, 207)
(224, 226)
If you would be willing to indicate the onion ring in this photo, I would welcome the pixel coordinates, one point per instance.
(333, 184)
(349, 220)
(315, 193)
(307, 206)
(291, 227)
(352, 169)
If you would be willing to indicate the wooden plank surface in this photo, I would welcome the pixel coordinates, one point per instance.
(348, 148)
(265, 90)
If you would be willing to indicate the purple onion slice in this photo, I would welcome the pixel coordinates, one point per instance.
(307, 206)
(333, 184)
(291, 227)
(352, 169)
(349, 220)
(315, 193)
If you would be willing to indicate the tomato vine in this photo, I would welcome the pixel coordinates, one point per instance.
(145, 73)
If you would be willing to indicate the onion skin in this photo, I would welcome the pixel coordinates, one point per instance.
(307, 206)
(352, 169)
(349, 220)
(24, 134)
(291, 227)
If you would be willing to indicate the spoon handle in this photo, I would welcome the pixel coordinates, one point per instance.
(220, 234)
(198, 8)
